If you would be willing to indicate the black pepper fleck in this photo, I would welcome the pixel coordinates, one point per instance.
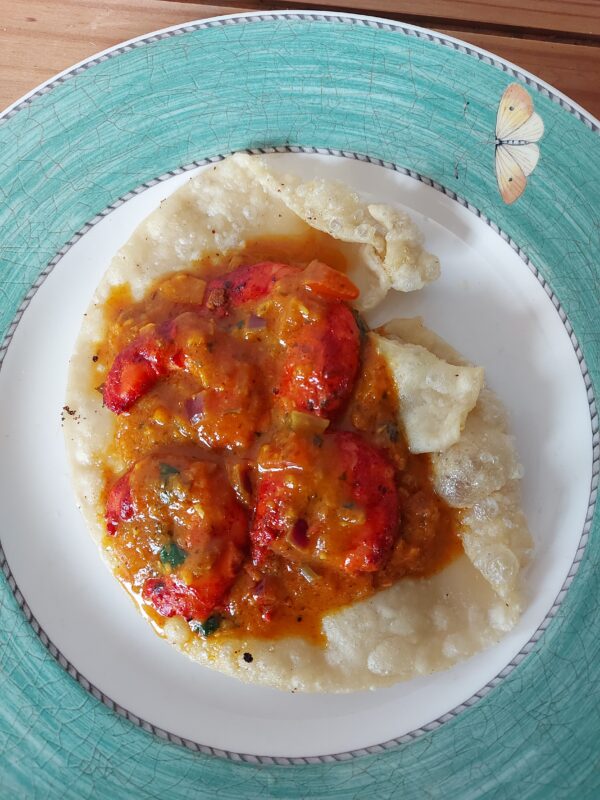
(248, 658)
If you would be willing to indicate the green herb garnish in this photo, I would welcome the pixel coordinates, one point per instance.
(392, 431)
(172, 554)
(208, 626)
(167, 470)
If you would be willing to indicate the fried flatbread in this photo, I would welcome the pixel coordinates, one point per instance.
(417, 626)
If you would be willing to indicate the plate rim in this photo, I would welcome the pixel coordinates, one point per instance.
(480, 53)
(525, 650)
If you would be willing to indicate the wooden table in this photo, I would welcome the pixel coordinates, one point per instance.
(557, 40)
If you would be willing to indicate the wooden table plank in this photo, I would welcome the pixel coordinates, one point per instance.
(37, 41)
(39, 38)
(562, 18)
(574, 69)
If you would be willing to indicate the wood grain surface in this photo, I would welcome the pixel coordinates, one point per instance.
(565, 18)
(558, 41)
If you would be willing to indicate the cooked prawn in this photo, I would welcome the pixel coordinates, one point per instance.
(202, 526)
(320, 362)
(352, 527)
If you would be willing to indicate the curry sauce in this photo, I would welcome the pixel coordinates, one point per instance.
(231, 407)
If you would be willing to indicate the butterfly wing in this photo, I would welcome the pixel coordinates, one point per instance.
(526, 156)
(515, 109)
(516, 121)
(530, 131)
(509, 174)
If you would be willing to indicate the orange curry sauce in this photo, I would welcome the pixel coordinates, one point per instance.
(202, 444)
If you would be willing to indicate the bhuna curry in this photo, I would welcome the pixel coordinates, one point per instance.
(277, 486)
(276, 430)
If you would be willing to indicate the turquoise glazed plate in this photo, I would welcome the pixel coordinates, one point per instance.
(502, 173)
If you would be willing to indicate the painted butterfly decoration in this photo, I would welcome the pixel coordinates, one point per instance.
(518, 128)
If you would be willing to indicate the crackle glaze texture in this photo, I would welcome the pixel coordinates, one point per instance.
(382, 90)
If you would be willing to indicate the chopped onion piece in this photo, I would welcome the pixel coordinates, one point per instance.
(308, 574)
(194, 407)
(298, 536)
(351, 515)
(199, 509)
(256, 323)
(308, 423)
(242, 485)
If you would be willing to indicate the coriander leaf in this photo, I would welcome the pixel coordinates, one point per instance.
(172, 554)
(392, 431)
(167, 470)
(208, 626)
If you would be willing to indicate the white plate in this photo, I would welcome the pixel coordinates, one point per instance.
(488, 304)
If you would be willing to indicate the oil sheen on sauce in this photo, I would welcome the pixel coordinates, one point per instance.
(287, 595)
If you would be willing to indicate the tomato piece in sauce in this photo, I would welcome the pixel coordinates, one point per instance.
(332, 500)
(119, 505)
(327, 282)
